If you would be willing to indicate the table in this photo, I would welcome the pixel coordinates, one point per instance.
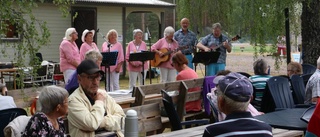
(10, 70)
(125, 100)
(198, 132)
(285, 119)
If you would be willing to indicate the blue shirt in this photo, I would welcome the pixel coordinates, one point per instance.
(73, 83)
(189, 39)
(210, 40)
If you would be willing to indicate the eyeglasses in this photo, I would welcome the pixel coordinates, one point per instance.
(93, 77)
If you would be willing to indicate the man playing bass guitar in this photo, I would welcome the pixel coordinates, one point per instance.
(218, 42)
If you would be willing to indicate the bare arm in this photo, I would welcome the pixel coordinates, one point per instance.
(202, 47)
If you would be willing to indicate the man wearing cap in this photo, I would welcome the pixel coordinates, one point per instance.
(234, 93)
(88, 44)
(91, 108)
(216, 40)
(186, 39)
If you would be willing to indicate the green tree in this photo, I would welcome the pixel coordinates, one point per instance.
(30, 33)
(262, 21)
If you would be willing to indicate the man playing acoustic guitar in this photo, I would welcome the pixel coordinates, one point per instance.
(187, 38)
(217, 42)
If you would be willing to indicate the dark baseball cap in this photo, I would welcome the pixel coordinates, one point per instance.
(88, 66)
(235, 86)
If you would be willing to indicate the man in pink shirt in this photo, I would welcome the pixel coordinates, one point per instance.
(167, 71)
(115, 70)
(135, 67)
(69, 54)
(88, 44)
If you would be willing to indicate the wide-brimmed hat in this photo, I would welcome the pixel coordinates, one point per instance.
(84, 33)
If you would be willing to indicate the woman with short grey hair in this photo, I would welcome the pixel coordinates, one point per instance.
(161, 47)
(135, 67)
(261, 76)
(54, 105)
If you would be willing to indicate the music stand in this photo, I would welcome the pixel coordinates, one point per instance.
(206, 58)
(142, 56)
(108, 59)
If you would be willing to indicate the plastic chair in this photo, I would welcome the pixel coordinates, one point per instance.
(298, 88)
(175, 122)
(306, 78)
(214, 110)
(308, 68)
(7, 115)
(306, 116)
(280, 92)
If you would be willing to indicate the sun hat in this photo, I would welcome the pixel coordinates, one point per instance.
(84, 33)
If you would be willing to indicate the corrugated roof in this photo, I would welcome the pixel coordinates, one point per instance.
(151, 3)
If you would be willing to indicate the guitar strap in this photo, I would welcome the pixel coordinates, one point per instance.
(220, 39)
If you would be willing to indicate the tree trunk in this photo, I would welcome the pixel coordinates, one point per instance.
(310, 22)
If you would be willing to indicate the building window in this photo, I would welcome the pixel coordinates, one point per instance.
(10, 31)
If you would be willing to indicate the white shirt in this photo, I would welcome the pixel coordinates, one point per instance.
(6, 102)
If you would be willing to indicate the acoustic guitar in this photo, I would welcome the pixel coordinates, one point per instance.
(216, 48)
(166, 56)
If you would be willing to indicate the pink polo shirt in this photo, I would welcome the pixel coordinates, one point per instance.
(162, 43)
(132, 48)
(85, 47)
(68, 52)
(114, 47)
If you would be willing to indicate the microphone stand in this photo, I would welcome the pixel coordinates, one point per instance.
(106, 64)
(149, 40)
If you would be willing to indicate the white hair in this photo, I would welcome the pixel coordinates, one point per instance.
(110, 32)
(50, 97)
(168, 30)
(318, 62)
(216, 25)
(93, 55)
(136, 31)
(68, 33)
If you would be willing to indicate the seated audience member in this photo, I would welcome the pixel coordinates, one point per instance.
(260, 77)
(294, 68)
(213, 98)
(91, 108)
(313, 86)
(180, 63)
(6, 102)
(73, 84)
(48, 122)
(3, 89)
(234, 93)
(314, 124)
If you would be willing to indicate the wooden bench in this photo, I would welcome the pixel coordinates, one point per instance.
(149, 118)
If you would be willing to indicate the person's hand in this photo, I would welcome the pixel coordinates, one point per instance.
(206, 49)
(99, 96)
(117, 69)
(225, 44)
(160, 53)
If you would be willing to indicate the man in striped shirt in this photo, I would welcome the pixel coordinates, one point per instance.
(234, 93)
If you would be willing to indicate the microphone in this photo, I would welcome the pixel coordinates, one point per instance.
(97, 30)
(148, 32)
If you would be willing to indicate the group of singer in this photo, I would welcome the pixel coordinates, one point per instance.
(182, 41)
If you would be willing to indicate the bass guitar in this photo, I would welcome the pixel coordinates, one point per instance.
(216, 47)
(166, 56)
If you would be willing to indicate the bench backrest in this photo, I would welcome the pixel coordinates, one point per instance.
(148, 116)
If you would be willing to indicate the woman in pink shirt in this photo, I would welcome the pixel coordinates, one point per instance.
(88, 44)
(115, 70)
(69, 54)
(135, 67)
(180, 63)
(167, 72)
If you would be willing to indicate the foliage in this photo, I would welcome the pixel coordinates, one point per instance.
(34, 33)
(262, 21)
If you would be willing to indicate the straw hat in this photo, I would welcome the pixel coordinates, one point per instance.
(85, 33)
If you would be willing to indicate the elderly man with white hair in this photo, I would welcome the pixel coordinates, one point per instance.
(69, 54)
(135, 67)
(313, 86)
(167, 43)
